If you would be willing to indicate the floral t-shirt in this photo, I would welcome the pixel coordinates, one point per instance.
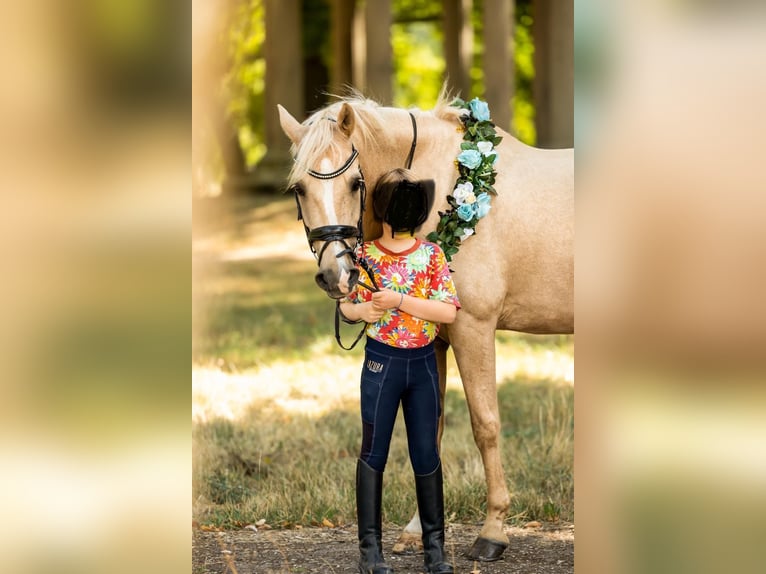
(420, 271)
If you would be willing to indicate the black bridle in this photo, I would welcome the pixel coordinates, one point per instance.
(336, 233)
(340, 233)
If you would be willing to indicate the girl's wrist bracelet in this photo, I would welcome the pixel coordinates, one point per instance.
(401, 300)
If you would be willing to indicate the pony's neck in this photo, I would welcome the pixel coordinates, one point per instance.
(438, 142)
(394, 141)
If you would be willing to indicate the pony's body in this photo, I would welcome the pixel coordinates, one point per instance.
(516, 272)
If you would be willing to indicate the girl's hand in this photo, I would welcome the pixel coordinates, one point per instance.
(386, 299)
(369, 313)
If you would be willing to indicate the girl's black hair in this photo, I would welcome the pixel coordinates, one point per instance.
(402, 202)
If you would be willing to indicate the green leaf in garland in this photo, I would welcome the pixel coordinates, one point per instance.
(451, 228)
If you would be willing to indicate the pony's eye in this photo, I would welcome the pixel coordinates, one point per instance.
(357, 185)
(297, 189)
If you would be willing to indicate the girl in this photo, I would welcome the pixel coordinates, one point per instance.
(416, 294)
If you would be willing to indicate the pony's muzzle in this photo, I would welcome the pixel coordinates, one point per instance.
(335, 286)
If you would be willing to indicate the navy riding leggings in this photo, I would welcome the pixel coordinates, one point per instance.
(391, 375)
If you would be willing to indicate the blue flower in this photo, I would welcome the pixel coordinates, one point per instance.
(470, 158)
(467, 204)
(465, 212)
(482, 205)
(479, 109)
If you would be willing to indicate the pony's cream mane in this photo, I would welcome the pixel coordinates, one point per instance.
(444, 110)
(321, 136)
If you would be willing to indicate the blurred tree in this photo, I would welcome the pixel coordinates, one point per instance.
(419, 66)
(417, 10)
(417, 41)
(477, 70)
(418, 58)
(523, 121)
(243, 85)
(317, 55)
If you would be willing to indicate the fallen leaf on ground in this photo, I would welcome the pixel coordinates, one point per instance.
(533, 524)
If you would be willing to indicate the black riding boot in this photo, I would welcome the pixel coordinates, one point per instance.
(430, 493)
(369, 491)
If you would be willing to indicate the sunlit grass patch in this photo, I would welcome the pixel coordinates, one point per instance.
(293, 468)
(286, 468)
(262, 310)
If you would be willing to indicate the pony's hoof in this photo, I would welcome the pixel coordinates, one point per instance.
(408, 543)
(485, 550)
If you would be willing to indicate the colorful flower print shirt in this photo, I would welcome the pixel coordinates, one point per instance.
(420, 271)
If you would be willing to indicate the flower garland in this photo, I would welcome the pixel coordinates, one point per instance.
(470, 200)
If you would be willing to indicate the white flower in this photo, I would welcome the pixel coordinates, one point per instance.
(484, 147)
(470, 198)
(462, 192)
(466, 234)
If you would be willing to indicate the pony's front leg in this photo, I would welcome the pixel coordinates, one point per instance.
(474, 345)
(410, 540)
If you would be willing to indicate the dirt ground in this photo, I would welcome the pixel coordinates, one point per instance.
(547, 549)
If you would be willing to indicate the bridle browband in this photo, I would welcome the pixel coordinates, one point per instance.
(339, 233)
(342, 169)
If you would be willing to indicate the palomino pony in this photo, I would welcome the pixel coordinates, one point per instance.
(516, 273)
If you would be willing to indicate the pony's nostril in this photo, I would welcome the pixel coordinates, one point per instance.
(353, 277)
(321, 281)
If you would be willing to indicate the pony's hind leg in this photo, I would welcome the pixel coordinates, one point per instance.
(410, 540)
(474, 344)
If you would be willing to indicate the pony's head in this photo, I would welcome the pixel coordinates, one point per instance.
(329, 189)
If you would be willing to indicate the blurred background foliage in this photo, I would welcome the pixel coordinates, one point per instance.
(243, 85)
(418, 62)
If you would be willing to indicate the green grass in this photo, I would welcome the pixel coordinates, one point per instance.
(257, 317)
(297, 469)
(261, 453)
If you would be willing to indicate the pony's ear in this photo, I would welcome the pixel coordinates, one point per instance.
(292, 127)
(346, 119)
